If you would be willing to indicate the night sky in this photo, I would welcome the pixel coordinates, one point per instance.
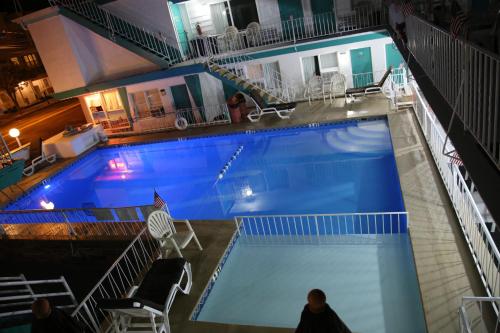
(27, 5)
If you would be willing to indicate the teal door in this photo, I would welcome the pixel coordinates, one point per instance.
(323, 18)
(291, 8)
(395, 59)
(361, 64)
(179, 26)
(181, 101)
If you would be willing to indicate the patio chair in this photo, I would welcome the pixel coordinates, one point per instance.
(152, 299)
(30, 169)
(161, 227)
(253, 34)
(337, 86)
(369, 89)
(283, 110)
(314, 89)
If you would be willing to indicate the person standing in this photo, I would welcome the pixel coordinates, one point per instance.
(318, 316)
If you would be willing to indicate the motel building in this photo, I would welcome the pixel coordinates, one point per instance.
(240, 153)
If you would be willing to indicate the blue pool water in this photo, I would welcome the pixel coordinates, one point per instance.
(370, 281)
(347, 167)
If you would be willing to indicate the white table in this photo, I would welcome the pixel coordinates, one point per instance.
(74, 145)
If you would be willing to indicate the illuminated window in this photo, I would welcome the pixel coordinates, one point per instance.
(14, 60)
(30, 60)
(112, 100)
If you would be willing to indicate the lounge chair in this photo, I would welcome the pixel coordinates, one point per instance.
(152, 299)
(30, 169)
(283, 110)
(369, 89)
(161, 227)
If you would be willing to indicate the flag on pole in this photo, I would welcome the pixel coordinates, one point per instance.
(408, 8)
(458, 23)
(455, 159)
(159, 203)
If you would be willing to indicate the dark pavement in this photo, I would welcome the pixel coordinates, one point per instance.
(42, 123)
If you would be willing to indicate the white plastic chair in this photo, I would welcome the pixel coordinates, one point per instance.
(161, 227)
(314, 88)
(253, 33)
(337, 86)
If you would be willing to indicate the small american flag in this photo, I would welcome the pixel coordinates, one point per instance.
(458, 24)
(159, 203)
(407, 8)
(455, 159)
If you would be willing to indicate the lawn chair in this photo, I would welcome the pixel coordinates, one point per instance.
(283, 110)
(369, 89)
(30, 170)
(152, 299)
(161, 227)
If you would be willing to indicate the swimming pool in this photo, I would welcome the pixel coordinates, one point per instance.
(344, 167)
(369, 280)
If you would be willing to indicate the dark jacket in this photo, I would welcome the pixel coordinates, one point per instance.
(57, 322)
(324, 322)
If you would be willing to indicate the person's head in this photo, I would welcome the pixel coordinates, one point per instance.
(41, 308)
(316, 300)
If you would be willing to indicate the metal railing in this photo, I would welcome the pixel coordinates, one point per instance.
(451, 62)
(483, 249)
(117, 282)
(155, 43)
(18, 293)
(471, 323)
(195, 117)
(320, 227)
(271, 81)
(289, 31)
(79, 223)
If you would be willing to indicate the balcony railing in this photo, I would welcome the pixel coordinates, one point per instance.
(479, 240)
(465, 75)
(285, 32)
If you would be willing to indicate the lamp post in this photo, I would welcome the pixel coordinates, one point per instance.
(14, 133)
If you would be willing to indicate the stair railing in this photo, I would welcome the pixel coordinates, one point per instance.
(156, 43)
(273, 82)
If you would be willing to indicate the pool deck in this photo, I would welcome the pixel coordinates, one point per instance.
(444, 266)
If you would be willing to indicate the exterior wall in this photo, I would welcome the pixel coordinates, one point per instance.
(74, 56)
(56, 52)
(291, 65)
(199, 13)
(101, 59)
(153, 15)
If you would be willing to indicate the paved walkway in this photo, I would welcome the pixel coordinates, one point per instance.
(444, 265)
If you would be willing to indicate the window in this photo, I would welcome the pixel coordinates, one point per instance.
(14, 60)
(310, 67)
(112, 100)
(30, 60)
(329, 61)
(148, 103)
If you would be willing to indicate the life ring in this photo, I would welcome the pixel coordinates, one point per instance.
(181, 123)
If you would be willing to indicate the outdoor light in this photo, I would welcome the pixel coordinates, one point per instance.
(14, 133)
(47, 205)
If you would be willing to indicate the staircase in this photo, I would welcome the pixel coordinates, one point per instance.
(231, 71)
(152, 46)
(365, 137)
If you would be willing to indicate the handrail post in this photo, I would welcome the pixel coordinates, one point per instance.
(71, 231)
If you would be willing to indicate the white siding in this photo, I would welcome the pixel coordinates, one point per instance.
(212, 90)
(150, 14)
(199, 13)
(101, 59)
(56, 52)
(269, 12)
